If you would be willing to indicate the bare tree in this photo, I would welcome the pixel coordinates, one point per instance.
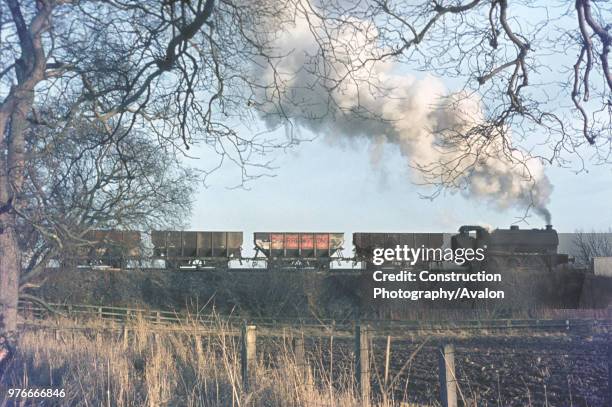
(522, 58)
(147, 76)
(592, 244)
(75, 183)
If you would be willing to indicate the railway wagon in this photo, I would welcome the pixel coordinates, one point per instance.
(365, 243)
(196, 248)
(298, 249)
(513, 249)
(111, 248)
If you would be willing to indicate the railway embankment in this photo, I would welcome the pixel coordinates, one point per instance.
(305, 294)
(269, 294)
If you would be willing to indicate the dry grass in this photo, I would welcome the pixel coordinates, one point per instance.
(100, 368)
(163, 365)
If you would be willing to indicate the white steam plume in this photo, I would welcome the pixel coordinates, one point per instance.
(446, 138)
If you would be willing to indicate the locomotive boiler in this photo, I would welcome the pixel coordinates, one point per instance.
(512, 249)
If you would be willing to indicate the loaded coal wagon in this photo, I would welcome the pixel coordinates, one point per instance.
(298, 250)
(365, 243)
(199, 249)
(108, 248)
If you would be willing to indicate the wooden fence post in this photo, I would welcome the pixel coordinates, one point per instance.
(387, 359)
(197, 342)
(362, 362)
(57, 331)
(300, 356)
(125, 335)
(248, 357)
(448, 380)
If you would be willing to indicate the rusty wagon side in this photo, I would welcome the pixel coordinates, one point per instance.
(298, 250)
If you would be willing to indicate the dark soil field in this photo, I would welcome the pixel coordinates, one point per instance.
(491, 371)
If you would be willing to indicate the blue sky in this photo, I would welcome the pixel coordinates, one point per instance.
(322, 187)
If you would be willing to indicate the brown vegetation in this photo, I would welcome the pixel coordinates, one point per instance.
(176, 369)
(97, 364)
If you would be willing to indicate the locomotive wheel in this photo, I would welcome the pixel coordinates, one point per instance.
(538, 263)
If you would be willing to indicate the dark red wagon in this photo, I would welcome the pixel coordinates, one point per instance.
(298, 249)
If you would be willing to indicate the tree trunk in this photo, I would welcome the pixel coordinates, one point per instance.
(9, 287)
(11, 181)
(9, 270)
(29, 71)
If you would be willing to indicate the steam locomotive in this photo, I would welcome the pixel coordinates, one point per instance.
(534, 249)
(516, 249)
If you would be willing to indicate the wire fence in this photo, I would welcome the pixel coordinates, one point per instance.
(314, 327)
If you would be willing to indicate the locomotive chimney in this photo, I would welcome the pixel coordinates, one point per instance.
(548, 227)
